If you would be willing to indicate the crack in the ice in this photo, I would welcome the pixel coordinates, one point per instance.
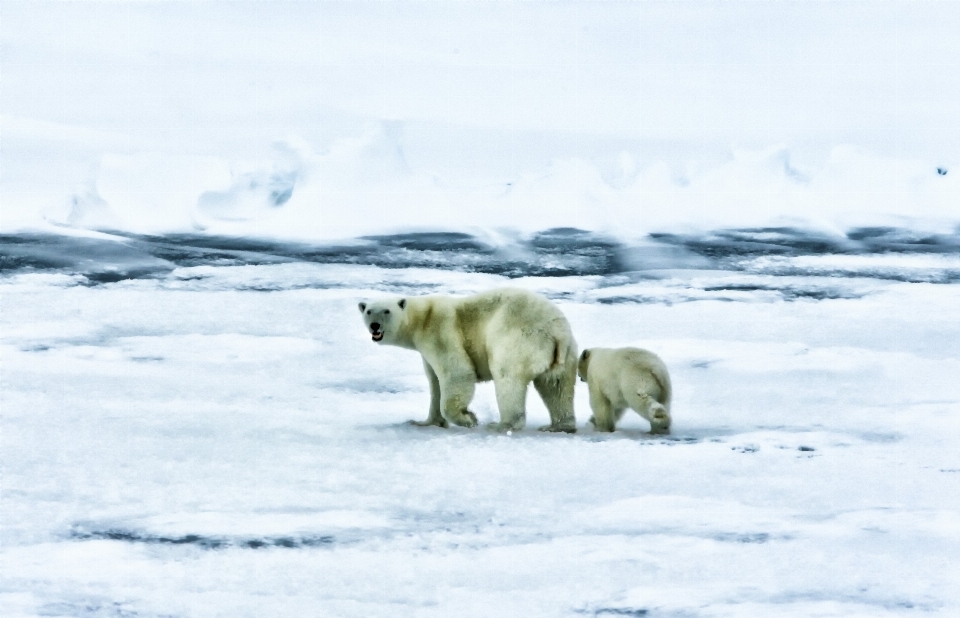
(862, 599)
(205, 542)
(93, 608)
(788, 293)
(615, 611)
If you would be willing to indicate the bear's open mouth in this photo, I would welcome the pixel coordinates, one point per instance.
(378, 336)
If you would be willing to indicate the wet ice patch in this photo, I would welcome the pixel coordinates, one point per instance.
(916, 268)
(226, 530)
(308, 276)
(674, 287)
(795, 241)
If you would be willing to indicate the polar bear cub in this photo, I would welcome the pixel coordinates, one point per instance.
(624, 378)
(510, 336)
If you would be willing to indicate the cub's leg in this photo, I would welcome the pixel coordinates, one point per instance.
(512, 402)
(652, 410)
(604, 416)
(434, 417)
(456, 393)
(556, 390)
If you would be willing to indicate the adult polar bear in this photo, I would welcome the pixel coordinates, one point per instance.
(510, 336)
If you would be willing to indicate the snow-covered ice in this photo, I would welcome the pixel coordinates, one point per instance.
(333, 120)
(225, 440)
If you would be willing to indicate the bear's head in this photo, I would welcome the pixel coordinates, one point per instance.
(583, 365)
(383, 318)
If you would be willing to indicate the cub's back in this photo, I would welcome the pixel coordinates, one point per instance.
(645, 360)
(618, 368)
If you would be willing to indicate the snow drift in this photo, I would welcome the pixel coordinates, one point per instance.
(364, 185)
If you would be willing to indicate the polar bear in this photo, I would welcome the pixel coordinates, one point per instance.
(624, 378)
(510, 336)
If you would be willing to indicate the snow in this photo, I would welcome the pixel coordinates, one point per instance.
(195, 197)
(225, 440)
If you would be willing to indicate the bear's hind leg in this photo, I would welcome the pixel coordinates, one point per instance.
(652, 410)
(512, 402)
(557, 395)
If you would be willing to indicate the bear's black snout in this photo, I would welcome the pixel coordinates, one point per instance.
(375, 326)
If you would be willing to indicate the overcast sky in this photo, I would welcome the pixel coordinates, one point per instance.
(761, 71)
(479, 94)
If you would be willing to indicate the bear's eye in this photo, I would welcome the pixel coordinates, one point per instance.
(386, 311)
(369, 312)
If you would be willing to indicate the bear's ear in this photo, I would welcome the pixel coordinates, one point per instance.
(363, 307)
(585, 355)
(402, 302)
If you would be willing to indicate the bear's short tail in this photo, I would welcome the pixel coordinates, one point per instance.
(559, 354)
(559, 332)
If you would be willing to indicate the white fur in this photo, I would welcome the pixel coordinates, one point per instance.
(510, 336)
(624, 378)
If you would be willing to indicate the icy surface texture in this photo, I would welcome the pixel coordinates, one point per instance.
(221, 440)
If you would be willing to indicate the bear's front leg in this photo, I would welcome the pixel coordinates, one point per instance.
(456, 393)
(435, 417)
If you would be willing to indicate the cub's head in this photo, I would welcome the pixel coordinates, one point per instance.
(383, 318)
(583, 365)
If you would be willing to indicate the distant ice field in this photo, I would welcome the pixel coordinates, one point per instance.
(201, 426)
